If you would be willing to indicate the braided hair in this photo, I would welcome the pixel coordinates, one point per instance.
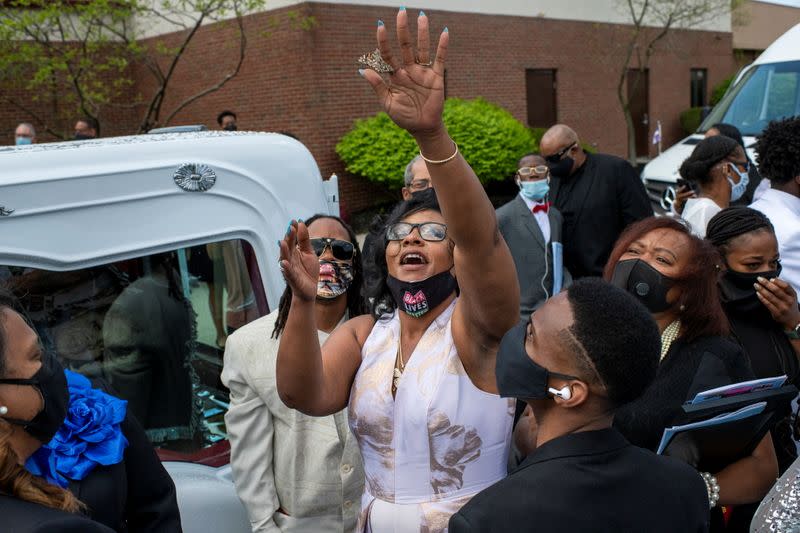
(355, 304)
(733, 222)
(708, 152)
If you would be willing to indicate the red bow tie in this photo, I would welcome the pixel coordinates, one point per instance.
(542, 207)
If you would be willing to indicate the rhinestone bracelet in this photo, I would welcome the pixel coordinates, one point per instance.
(712, 487)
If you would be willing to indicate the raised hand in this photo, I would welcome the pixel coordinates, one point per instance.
(780, 299)
(299, 263)
(413, 95)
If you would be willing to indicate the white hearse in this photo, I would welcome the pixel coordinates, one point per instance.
(766, 90)
(136, 256)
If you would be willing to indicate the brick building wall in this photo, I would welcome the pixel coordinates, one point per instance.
(306, 81)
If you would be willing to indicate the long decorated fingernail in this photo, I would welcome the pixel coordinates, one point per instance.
(445, 30)
(762, 280)
(402, 8)
(380, 22)
(421, 13)
(361, 72)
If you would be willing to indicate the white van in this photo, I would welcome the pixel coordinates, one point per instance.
(766, 90)
(135, 256)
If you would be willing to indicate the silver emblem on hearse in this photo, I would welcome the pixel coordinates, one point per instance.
(5, 212)
(195, 177)
(668, 198)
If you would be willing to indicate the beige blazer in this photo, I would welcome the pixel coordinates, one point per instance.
(293, 472)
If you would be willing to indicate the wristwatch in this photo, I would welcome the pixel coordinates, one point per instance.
(794, 334)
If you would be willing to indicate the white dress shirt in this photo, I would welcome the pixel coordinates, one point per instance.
(293, 472)
(783, 210)
(697, 212)
(541, 217)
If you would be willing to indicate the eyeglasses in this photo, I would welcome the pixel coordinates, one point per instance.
(341, 250)
(555, 158)
(419, 185)
(539, 171)
(429, 231)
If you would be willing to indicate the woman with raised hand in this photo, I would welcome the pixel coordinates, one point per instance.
(418, 373)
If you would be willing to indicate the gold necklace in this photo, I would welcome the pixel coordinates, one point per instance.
(668, 337)
(399, 366)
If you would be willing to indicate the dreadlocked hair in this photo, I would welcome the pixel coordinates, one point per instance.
(15, 480)
(733, 222)
(778, 149)
(355, 304)
(708, 152)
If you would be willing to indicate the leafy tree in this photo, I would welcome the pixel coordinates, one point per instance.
(80, 56)
(650, 22)
(488, 136)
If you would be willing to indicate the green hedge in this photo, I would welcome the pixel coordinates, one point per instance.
(690, 119)
(719, 90)
(488, 136)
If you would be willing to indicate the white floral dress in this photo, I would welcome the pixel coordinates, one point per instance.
(438, 443)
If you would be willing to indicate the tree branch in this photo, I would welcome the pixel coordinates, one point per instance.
(221, 83)
(31, 113)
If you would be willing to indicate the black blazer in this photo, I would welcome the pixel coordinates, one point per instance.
(136, 495)
(19, 516)
(599, 201)
(590, 481)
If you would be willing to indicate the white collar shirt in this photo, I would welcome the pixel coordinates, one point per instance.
(783, 210)
(542, 217)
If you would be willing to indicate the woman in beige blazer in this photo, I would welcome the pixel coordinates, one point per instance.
(293, 472)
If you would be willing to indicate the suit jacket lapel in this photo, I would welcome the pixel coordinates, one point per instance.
(588, 173)
(555, 225)
(529, 221)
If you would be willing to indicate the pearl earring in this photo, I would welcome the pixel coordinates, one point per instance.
(3, 410)
(682, 308)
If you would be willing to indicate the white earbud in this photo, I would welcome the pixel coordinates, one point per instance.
(3, 410)
(565, 393)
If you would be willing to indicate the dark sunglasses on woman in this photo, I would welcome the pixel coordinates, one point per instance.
(341, 250)
(429, 231)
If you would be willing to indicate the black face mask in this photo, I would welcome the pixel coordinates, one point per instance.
(516, 374)
(230, 127)
(739, 294)
(52, 384)
(416, 298)
(563, 168)
(82, 137)
(647, 284)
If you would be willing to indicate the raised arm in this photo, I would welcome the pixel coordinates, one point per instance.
(312, 380)
(414, 99)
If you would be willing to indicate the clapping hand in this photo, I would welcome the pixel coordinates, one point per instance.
(780, 299)
(413, 95)
(299, 262)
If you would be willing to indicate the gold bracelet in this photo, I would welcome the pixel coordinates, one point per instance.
(443, 161)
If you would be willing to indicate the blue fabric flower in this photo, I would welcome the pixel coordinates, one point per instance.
(89, 436)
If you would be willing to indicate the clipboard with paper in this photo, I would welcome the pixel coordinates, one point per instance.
(725, 424)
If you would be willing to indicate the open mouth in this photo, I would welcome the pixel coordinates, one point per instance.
(326, 272)
(413, 258)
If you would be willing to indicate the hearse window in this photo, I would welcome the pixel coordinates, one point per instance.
(152, 330)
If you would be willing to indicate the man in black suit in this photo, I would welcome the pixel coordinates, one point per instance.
(532, 229)
(588, 350)
(599, 195)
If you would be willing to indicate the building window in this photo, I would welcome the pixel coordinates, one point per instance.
(540, 91)
(698, 87)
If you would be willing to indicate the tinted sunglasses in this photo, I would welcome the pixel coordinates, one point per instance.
(555, 158)
(341, 250)
(539, 171)
(429, 231)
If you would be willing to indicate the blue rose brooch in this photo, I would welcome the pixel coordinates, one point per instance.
(89, 436)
